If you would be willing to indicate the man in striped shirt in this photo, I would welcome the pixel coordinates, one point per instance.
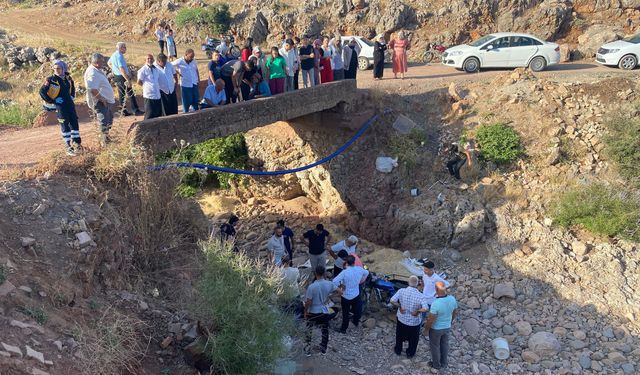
(349, 281)
(410, 303)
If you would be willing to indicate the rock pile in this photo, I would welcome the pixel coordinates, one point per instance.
(18, 56)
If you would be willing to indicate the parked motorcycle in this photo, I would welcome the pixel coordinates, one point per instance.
(434, 52)
(213, 44)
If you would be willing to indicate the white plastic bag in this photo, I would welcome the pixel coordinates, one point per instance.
(386, 164)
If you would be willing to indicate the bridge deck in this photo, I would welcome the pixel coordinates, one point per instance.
(158, 134)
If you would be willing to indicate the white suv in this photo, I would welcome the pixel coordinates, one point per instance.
(503, 50)
(623, 53)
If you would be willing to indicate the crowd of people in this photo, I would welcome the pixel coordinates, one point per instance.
(423, 305)
(230, 78)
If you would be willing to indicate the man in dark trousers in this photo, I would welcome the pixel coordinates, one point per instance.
(60, 90)
(288, 240)
(149, 78)
(438, 326)
(349, 281)
(411, 304)
(458, 156)
(316, 310)
(123, 79)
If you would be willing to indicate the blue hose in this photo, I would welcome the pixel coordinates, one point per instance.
(360, 131)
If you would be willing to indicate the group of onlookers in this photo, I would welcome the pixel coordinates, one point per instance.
(165, 37)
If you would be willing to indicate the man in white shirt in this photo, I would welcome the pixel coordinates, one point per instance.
(429, 280)
(349, 281)
(288, 51)
(349, 245)
(290, 276)
(410, 303)
(100, 96)
(148, 78)
(214, 95)
(275, 247)
(167, 81)
(160, 36)
(187, 67)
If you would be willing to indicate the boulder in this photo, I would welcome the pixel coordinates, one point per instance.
(595, 36)
(565, 53)
(579, 248)
(260, 28)
(544, 344)
(396, 15)
(504, 290)
(468, 231)
(454, 92)
(471, 326)
(168, 5)
(545, 20)
(342, 7)
(6, 288)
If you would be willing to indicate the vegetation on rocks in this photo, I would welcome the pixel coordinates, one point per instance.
(499, 143)
(215, 18)
(406, 148)
(601, 210)
(249, 330)
(623, 147)
(16, 114)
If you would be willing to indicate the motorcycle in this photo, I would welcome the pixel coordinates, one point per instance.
(213, 44)
(434, 52)
(379, 289)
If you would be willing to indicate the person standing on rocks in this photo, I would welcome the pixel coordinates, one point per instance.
(349, 245)
(275, 246)
(288, 242)
(160, 36)
(60, 90)
(351, 303)
(171, 44)
(122, 78)
(316, 309)
(429, 280)
(100, 96)
(438, 326)
(316, 240)
(168, 81)
(149, 79)
(187, 68)
(410, 303)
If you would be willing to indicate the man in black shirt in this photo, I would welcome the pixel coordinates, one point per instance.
(317, 240)
(232, 74)
(307, 63)
(228, 231)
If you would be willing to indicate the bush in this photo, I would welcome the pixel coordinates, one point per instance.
(229, 152)
(407, 147)
(601, 210)
(623, 147)
(17, 114)
(238, 296)
(498, 143)
(216, 18)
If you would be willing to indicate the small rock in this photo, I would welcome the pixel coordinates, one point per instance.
(35, 354)
(166, 342)
(454, 92)
(35, 371)
(471, 326)
(143, 305)
(369, 323)
(504, 290)
(579, 335)
(27, 241)
(5, 354)
(473, 303)
(175, 328)
(584, 361)
(579, 248)
(25, 289)
(14, 350)
(544, 344)
(490, 313)
(523, 328)
(40, 209)
(58, 344)
(628, 368)
(508, 330)
(84, 239)
(6, 288)
(616, 357)
(530, 357)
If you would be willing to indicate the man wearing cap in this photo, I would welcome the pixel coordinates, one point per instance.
(438, 326)
(349, 281)
(410, 303)
(349, 245)
(429, 281)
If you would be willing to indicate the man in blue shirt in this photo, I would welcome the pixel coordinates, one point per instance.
(349, 281)
(438, 326)
(123, 79)
(214, 95)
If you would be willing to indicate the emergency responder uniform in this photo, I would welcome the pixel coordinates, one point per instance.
(60, 91)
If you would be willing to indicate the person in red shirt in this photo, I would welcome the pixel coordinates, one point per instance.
(342, 254)
(247, 51)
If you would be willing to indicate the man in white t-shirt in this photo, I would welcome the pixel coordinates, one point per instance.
(349, 245)
(148, 78)
(275, 247)
(429, 280)
(187, 68)
(168, 79)
(160, 36)
(100, 95)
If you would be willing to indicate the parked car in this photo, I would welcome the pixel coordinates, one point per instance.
(365, 60)
(503, 50)
(623, 53)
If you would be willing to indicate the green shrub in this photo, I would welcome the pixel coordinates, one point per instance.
(216, 18)
(599, 209)
(623, 146)
(39, 314)
(237, 296)
(16, 114)
(230, 152)
(407, 147)
(498, 143)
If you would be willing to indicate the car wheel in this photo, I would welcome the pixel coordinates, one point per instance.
(537, 64)
(363, 63)
(628, 62)
(471, 65)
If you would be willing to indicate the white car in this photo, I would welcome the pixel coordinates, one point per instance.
(623, 53)
(365, 60)
(503, 50)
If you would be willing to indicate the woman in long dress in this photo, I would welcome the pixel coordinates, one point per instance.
(171, 45)
(326, 74)
(400, 47)
(378, 57)
(350, 53)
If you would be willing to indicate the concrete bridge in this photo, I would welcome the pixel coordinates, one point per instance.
(335, 98)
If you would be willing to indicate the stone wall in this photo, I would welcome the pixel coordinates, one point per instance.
(158, 134)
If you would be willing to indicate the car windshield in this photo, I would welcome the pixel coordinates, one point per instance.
(482, 41)
(367, 42)
(633, 39)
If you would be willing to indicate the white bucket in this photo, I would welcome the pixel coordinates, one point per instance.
(500, 348)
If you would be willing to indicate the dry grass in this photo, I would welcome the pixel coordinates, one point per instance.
(116, 345)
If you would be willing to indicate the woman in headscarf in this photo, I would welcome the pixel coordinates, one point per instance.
(60, 90)
(247, 50)
(400, 47)
(378, 57)
(350, 54)
(326, 73)
(317, 55)
(171, 45)
(337, 65)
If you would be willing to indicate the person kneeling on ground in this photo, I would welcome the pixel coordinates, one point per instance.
(214, 95)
